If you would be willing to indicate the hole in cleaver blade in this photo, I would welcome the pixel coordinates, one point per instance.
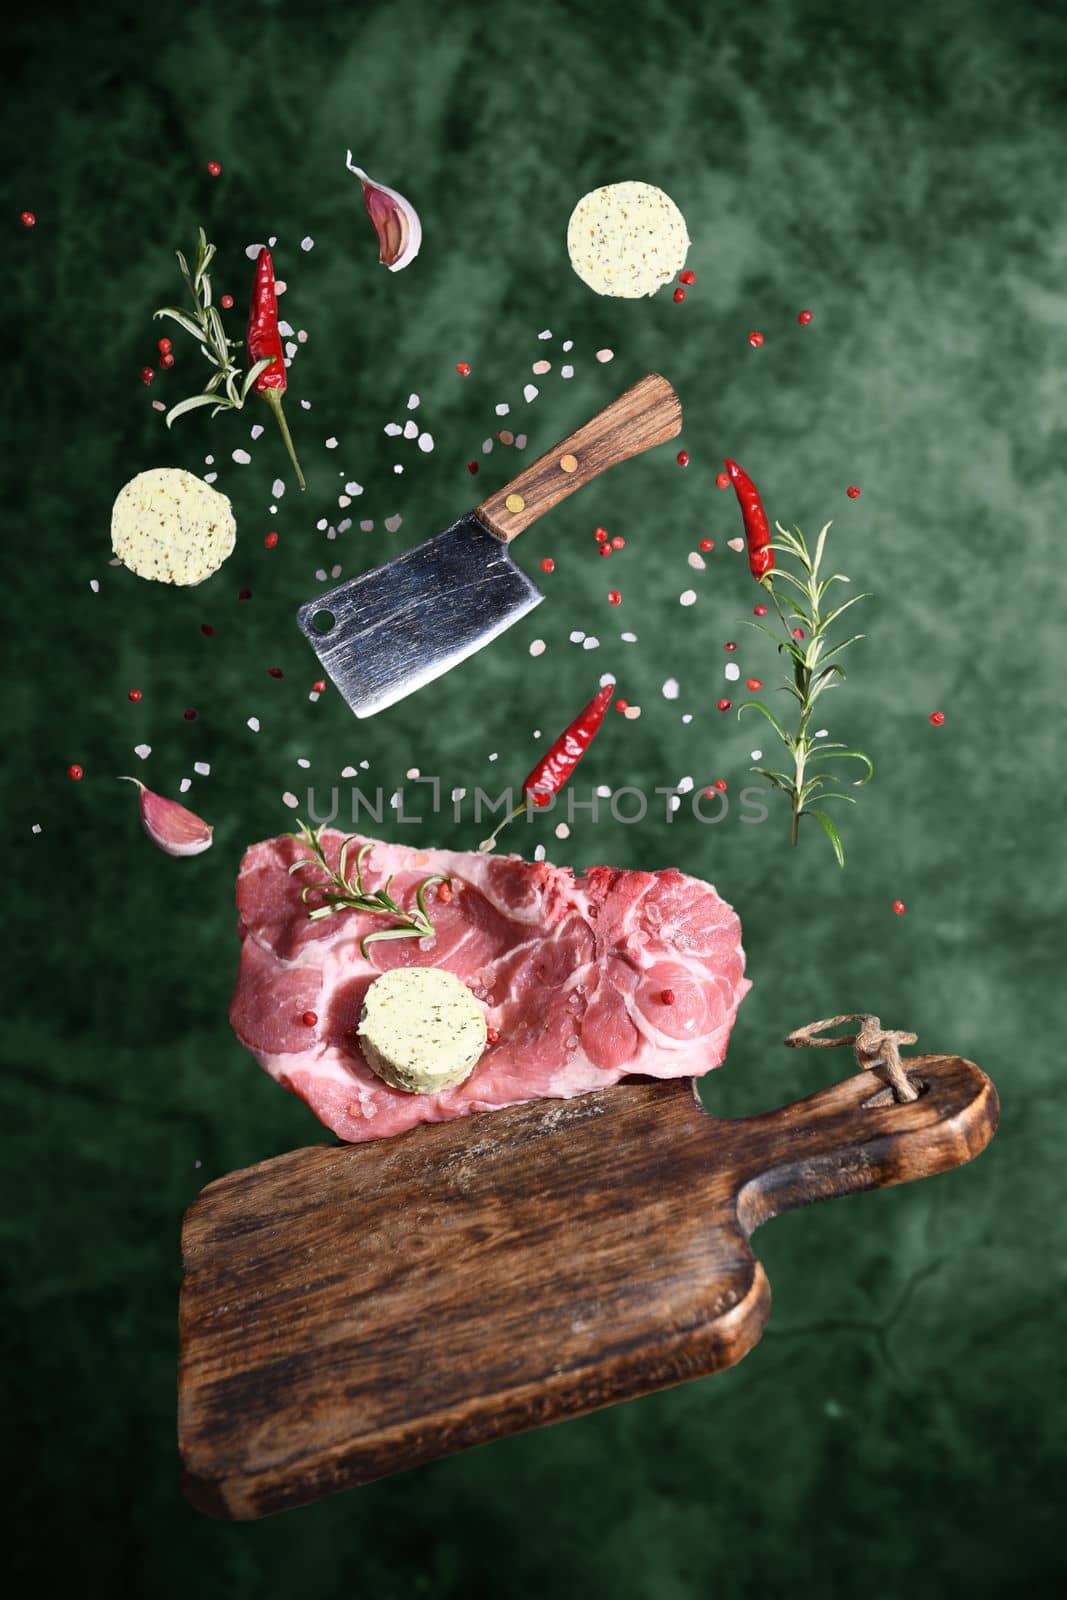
(402, 625)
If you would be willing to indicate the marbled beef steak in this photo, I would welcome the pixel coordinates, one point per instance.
(585, 978)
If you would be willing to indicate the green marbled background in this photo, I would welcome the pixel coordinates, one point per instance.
(898, 169)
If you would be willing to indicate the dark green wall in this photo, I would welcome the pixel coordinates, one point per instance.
(897, 169)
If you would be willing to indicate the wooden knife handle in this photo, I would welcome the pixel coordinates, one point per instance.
(648, 414)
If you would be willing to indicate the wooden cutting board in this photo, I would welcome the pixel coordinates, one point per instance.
(353, 1310)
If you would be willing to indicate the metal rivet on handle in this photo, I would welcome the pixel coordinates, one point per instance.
(515, 502)
(568, 463)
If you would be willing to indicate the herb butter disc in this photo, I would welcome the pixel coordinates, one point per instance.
(421, 1029)
(172, 527)
(627, 240)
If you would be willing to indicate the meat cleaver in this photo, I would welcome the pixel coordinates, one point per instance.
(385, 634)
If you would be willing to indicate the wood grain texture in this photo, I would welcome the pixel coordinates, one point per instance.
(350, 1311)
(649, 413)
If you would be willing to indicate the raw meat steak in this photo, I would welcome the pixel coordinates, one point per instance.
(572, 972)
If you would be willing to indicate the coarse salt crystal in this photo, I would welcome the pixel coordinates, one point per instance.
(458, 794)
(566, 372)
(502, 409)
(290, 800)
(255, 430)
(562, 831)
(392, 523)
(820, 733)
(202, 768)
(487, 445)
(393, 429)
(36, 828)
(342, 501)
(335, 572)
(290, 349)
(546, 333)
(632, 713)
(353, 489)
(302, 761)
(307, 242)
(252, 250)
(185, 785)
(331, 443)
(731, 671)
(577, 636)
(344, 524)
(541, 367)
(253, 723)
(277, 489)
(530, 392)
(411, 429)
(142, 750)
(628, 638)
(757, 755)
(320, 574)
(603, 791)
(413, 401)
(157, 405)
(539, 853)
(280, 286)
(94, 584)
(696, 560)
(670, 689)
(425, 442)
(322, 524)
(606, 678)
(397, 468)
(520, 441)
(684, 785)
(285, 330)
(209, 477)
(674, 802)
(591, 643)
(688, 598)
(736, 544)
(367, 526)
(537, 647)
(305, 405)
(209, 461)
(568, 344)
(242, 457)
(411, 774)
(605, 355)
(349, 772)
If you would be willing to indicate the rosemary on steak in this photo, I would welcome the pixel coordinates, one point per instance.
(225, 389)
(341, 892)
(806, 628)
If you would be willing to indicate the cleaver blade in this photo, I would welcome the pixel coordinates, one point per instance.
(383, 635)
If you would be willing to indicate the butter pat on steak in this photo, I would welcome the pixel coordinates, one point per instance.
(583, 979)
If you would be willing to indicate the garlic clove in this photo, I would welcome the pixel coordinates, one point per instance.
(396, 222)
(169, 825)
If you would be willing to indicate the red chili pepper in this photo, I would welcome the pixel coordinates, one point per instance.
(557, 764)
(757, 528)
(264, 340)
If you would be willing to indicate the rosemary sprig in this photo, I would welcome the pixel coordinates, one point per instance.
(225, 390)
(343, 893)
(814, 671)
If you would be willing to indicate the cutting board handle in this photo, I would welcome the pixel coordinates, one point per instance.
(648, 414)
(856, 1135)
